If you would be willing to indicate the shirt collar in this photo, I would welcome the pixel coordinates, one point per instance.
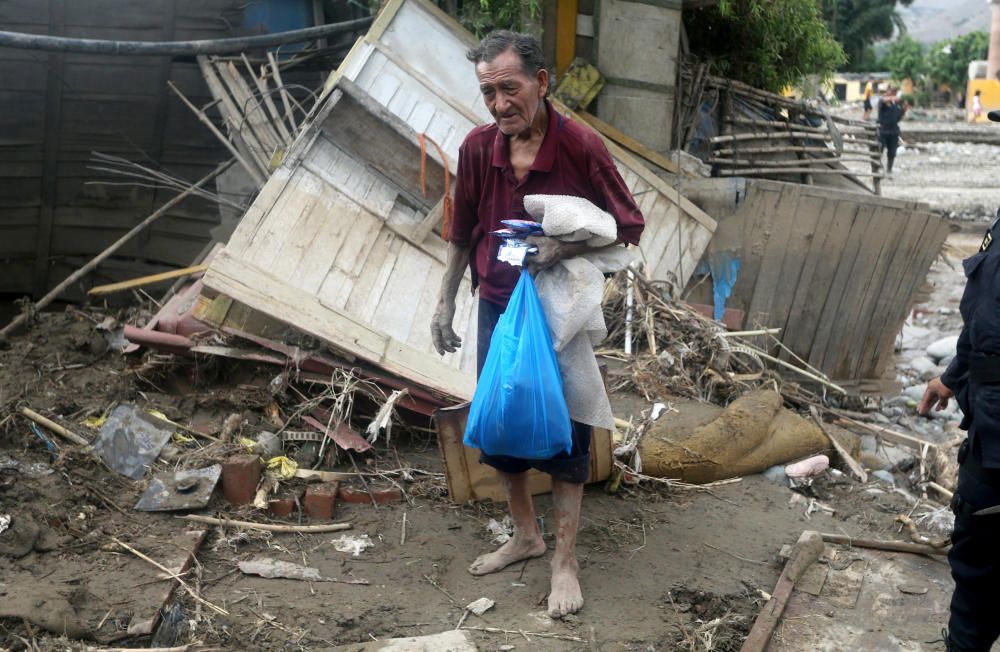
(546, 153)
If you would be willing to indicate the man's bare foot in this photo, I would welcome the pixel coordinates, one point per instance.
(565, 596)
(514, 550)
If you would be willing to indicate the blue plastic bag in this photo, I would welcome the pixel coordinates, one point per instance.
(519, 409)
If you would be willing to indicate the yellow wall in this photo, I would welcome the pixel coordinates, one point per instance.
(990, 96)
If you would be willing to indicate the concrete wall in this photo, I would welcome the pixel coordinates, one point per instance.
(637, 52)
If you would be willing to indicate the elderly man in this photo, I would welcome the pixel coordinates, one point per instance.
(530, 149)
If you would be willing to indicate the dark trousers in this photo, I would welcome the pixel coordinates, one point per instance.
(889, 143)
(975, 557)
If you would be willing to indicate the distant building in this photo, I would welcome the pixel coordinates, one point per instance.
(850, 86)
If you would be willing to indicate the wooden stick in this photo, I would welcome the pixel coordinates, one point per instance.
(893, 546)
(251, 169)
(891, 435)
(276, 75)
(630, 143)
(268, 101)
(752, 172)
(769, 135)
(941, 490)
(97, 260)
(807, 550)
(777, 149)
(267, 527)
(851, 463)
(519, 632)
(790, 162)
(778, 124)
(54, 427)
(184, 585)
(111, 288)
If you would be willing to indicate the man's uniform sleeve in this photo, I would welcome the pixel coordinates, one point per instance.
(614, 194)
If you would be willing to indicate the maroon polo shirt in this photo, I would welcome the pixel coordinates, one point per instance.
(572, 160)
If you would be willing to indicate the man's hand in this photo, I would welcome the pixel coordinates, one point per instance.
(936, 393)
(442, 334)
(550, 252)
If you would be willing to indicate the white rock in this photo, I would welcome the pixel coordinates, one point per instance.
(884, 477)
(915, 392)
(922, 365)
(930, 374)
(480, 606)
(943, 347)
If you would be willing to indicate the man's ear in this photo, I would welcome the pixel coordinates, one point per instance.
(542, 76)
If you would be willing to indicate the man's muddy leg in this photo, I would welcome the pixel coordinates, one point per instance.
(527, 540)
(565, 596)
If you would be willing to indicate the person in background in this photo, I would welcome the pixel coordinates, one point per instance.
(869, 91)
(890, 112)
(977, 106)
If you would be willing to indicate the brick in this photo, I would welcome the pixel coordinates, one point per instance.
(281, 507)
(320, 500)
(361, 497)
(240, 476)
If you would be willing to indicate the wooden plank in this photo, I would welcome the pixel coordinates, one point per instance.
(838, 300)
(929, 244)
(801, 232)
(889, 297)
(250, 107)
(755, 216)
(53, 121)
(867, 329)
(566, 12)
(397, 306)
(262, 292)
(768, 276)
(807, 302)
(869, 274)
(142, 281)
(825, 292)
(232, 116)
(631, 144)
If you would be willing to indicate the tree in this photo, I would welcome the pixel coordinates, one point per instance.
(904, 58)
(857, 24)
(769, 44)
(948, 61)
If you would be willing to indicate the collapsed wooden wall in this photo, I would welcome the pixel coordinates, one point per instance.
(836, 271)
(55, 109)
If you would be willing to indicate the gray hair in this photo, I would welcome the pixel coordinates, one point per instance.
(497, 42)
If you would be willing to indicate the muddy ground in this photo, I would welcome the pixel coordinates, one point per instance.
(662, 569)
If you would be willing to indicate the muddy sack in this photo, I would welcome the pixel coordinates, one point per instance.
(519, 409)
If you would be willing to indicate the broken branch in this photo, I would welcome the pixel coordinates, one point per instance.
(267, 527)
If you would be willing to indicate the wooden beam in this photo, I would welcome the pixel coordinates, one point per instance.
(53, 118)
(111, 288)
(630, 143)
(566, 11)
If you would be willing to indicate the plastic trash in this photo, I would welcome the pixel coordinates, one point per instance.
(518, 409)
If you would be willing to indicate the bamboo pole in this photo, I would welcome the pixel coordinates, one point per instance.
(768, 135)
(121, 286)
(780, 124)
(97, 260)
(789, 162)
(65, 433)
(754, 172)
(893, 546)
(268, 527)
(251, 169)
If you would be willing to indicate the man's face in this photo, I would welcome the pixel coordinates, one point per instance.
(511, 96)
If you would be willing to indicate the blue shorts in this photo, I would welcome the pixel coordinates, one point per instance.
(573, 466)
